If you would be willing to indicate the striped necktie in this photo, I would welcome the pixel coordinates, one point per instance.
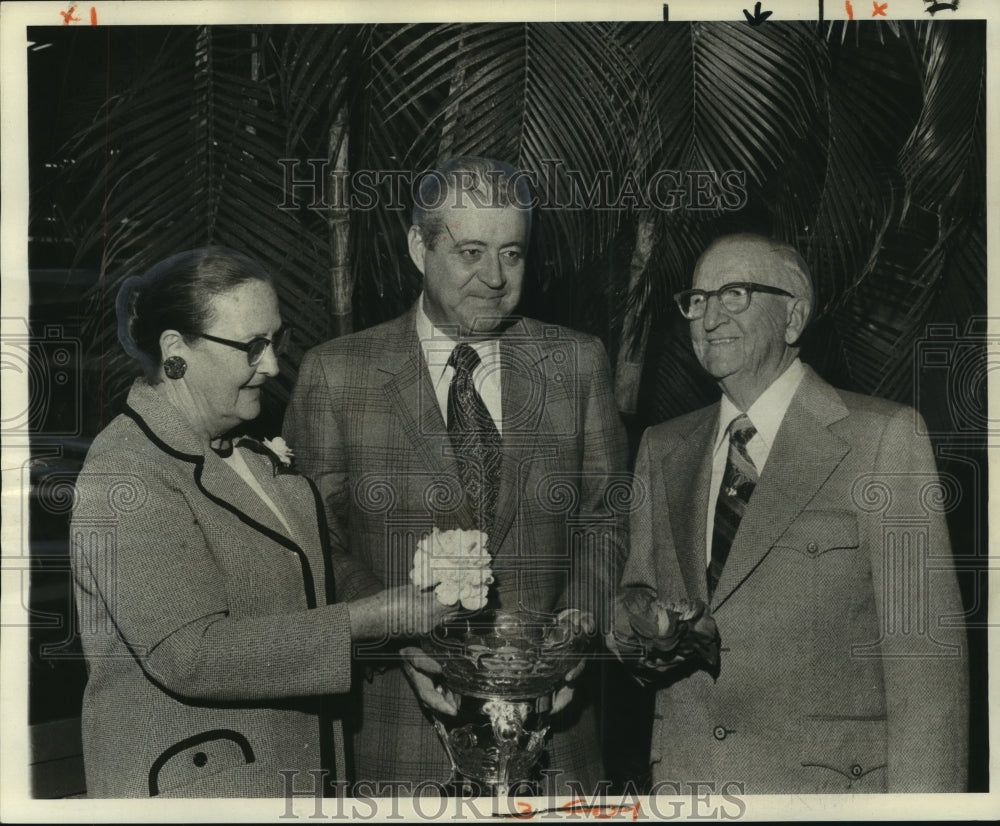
(474, 436)
(738, 483)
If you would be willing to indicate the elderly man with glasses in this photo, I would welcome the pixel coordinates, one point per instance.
(810, 521)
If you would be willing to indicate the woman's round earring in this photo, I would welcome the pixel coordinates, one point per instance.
(175, 367)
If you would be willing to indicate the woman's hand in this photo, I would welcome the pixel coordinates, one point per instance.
(403, 611)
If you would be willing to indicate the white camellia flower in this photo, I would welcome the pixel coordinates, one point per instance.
(456, 564)
(279, 447)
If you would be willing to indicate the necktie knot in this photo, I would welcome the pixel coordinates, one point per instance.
(741, 430)
(464, 359)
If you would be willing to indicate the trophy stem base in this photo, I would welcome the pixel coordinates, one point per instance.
(496, 771)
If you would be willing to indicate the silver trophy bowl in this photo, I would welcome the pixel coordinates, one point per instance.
(502, 667)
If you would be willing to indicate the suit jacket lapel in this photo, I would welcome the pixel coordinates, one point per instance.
(299, 511)
(522, 389)
(165, 425)
(804, 454)
(229, 490)
(409, 390)
(686, 500)
(411, 396)
(222, 482)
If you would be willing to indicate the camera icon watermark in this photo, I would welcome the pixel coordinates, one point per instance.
(50, 402)
(957, 364)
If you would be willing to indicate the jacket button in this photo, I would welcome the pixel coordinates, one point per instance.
(812, 547)
(856, 770)
(200, 759)
(719, 732)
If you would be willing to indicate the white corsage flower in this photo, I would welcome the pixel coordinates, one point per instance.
(456, 564)
(279, 447)
(276, 450)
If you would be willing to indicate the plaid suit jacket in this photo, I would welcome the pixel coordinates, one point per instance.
(365, 425)
(206, 625)
(843, 662)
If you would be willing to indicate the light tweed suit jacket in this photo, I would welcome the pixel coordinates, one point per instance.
(366, 426)
(844, 662)
(205, 623)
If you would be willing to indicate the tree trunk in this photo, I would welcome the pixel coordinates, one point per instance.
(632, 345)
(453, 130)
(339, 223)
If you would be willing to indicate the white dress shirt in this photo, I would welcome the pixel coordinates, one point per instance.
(437, 348)
(766, 415)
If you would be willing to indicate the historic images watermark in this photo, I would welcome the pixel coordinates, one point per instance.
(310, 183)
(429, 800)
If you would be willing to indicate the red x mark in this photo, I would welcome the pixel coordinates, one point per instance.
(878, 9)
(68, 17)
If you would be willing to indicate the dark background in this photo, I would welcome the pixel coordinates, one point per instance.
(145, 141)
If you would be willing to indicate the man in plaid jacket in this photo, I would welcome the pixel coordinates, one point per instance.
(368, 421)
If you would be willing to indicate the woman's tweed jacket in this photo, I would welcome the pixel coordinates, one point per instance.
(209, 636)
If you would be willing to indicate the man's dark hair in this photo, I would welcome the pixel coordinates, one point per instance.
(468, 181)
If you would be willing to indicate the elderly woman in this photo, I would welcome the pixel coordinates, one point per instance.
(202, 581)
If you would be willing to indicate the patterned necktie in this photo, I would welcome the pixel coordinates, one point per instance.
(474, 436)
(738, 483)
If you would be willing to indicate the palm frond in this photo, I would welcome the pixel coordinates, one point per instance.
(725, 98)
(529, 93)
(198, 104)
(864, 147)
(865, 126)
(944, 160)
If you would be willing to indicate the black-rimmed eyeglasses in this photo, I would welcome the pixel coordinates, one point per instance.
(256, 347)
(735, 298)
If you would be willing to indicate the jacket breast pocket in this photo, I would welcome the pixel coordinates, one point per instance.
(845, 754)
(194, 758)
(818, 532)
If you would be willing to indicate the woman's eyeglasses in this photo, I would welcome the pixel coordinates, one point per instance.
(256, 347)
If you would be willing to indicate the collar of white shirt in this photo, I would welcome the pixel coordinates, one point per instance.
(766, 413)
(437, 347)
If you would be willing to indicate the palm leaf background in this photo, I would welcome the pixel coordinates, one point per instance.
(867, 150)
(861, 143)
